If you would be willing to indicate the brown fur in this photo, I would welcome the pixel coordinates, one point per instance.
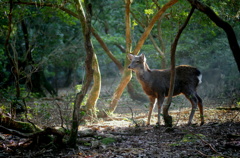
(155, 84)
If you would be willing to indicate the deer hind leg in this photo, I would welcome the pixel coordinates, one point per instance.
(159, 102)
(194, 101)
(151, 107)
(200, 106)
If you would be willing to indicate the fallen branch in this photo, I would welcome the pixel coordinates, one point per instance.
(210, 145)
(46, 131)
(228, 108)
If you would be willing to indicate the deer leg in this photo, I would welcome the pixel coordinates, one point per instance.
(151, 106)
(159, 102)
(200, 106)
(193, 99)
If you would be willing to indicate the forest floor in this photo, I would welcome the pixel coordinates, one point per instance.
(120, 136)
(124, 134)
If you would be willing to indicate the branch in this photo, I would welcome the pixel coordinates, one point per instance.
(167, 118)
(104, 46)
(95, 34)
(162, 55)
(47, 131)
(151, 24)
(128, 26)
(232, 39)
(6, 44)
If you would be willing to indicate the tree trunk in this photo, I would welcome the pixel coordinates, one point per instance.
(135, 95)
(96, 88)
(127, 74)
(109, 53)
(68, 80)
(86, 28)
(232, 39)
(126, 77)
(167, 118)
(161, 53)
(151, 24)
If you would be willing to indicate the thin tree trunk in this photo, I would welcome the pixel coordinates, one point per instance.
(126, 77)
(161, 53)
(232, 39)
(166, 116)
(151, 24)
(109, 53)
(127, 74)
(85, 19)
(96, 88)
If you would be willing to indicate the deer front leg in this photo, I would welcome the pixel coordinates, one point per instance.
(151, 106)
(159, 102)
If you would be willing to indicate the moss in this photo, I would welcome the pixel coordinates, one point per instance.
(18, 125)
(191, 138)
(107, 141)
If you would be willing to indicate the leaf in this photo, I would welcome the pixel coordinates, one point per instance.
(148, 11)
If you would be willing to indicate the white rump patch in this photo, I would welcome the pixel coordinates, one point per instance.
(199, 79)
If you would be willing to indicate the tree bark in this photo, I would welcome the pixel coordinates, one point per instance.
(85, 19)
(161, 53)
(126, 77)
(127, 74)
(232, 39)
(96, 88)
(167, 118)
(151, 24)
(109, 53)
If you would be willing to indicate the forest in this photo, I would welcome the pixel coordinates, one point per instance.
(66, 89)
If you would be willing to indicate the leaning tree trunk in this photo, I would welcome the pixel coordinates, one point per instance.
(232, 39)
(161, 52)
(127, 74)
(167, 118)
(96, 88)
(85, 19)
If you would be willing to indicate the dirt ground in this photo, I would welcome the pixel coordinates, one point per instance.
(124, 136)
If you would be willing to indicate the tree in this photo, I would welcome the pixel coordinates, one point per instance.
(85, 19)
(95, 90)
(127, 75)
(222, 24)
(166, 116)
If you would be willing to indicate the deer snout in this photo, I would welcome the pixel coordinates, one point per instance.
(129, 67)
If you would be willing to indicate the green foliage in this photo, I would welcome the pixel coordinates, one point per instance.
(43, 110)
(148, 11)
(188, 138)
(57, 43)
(108, 141)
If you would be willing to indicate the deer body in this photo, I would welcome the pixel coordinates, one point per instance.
(155, 84)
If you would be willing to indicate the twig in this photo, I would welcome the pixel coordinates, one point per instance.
(60, 112)
(137, 125)
(235, 116)
(26, 111)
(205, 155)
(210, 145)
(179, 113)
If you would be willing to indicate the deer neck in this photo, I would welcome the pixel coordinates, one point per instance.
(144, 73)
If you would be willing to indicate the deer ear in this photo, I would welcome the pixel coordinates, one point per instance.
(143, 58)
(130, 56)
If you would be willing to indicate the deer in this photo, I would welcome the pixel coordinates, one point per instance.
(156, 83)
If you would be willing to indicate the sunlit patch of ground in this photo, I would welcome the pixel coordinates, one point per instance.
(124, 133)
